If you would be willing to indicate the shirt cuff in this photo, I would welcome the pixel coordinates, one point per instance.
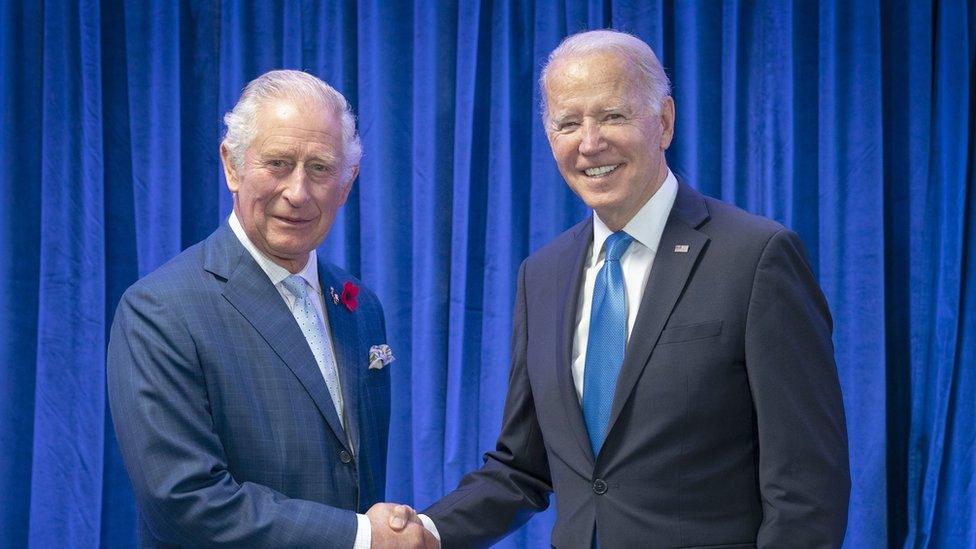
(429, 525)
(364, 533)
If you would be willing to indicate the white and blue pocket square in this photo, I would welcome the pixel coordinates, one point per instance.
(380, 356)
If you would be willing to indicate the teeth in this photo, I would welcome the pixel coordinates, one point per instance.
(593, 172)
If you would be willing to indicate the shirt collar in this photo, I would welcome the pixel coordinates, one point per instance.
(275, 272)
(646, 226)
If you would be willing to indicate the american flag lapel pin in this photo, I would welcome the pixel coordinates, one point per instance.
(681, 249)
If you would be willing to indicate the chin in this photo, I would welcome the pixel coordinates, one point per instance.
(600, 201)
(291, 250)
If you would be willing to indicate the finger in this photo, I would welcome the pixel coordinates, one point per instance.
(400, 516)
(413, 536)
(406, 512)
(397, 522)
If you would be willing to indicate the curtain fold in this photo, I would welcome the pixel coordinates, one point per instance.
(851, 122)
(851, 226)
(69, 406)
(942, 365)
(20, 161)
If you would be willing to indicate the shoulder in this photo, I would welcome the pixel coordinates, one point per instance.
(172, 275)
(181, 267)
(183, 284)
(159, 310)
(727, 217)
(198, 267)
(743, 234)
(749, 244)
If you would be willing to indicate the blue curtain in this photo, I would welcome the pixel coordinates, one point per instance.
(851, 121)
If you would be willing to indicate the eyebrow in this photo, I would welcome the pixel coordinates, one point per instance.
(277, 151)
(563, 117)
(328, 158)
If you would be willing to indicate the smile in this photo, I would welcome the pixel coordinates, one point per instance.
(292, 221)
(601, 170)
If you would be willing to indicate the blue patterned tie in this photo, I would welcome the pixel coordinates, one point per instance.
(312, 326)
(607, 340)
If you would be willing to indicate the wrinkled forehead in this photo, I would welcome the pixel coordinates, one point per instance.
(297, 120)
(308, 111)
(603, 76)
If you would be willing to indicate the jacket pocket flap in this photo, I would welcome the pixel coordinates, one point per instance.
(691, 332)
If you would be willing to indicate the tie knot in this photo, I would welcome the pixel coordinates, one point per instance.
(296, 285)
(616, 245)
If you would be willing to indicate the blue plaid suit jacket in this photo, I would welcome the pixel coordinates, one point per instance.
(224, 421)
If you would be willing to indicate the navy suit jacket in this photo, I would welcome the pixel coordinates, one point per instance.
(223, 418)
(727, 426)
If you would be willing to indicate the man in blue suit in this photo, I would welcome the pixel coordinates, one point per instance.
(248, 380)
(673, 380)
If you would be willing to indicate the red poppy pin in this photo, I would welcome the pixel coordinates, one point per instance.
(350, 296)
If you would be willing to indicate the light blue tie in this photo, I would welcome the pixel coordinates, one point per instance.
(607, 340)
(312, 326)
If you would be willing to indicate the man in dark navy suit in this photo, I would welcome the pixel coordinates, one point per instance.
(673, 380)
(247, 379)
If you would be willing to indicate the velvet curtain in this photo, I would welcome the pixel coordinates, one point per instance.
(852, 122)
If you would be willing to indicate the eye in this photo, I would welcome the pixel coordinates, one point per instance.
(614, 117)
(320, 168)
(276, 163)
(567, 126)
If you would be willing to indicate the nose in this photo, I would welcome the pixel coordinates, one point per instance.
(296, 187)
(591, 141)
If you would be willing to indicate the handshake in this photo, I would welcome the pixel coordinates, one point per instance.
(395, 525)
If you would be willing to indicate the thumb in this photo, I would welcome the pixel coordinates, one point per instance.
(400, 516)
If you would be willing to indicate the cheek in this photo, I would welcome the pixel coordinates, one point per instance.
(562, 147)
(565, 156)
(328, 199)
(253, 192)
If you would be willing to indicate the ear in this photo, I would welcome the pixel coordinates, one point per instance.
(230, 172)
(353, 174)
(667, 122)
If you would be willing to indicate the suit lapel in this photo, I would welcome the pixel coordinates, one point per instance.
(249, 290)
(570, 277)
(668, 278)
(345, 341)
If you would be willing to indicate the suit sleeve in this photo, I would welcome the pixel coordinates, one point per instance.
(173, 455)
(803, 462)
(514, 482)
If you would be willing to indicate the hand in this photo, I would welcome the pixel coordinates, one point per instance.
(398, 526)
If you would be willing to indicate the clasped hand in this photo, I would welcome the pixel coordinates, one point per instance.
(398, 526)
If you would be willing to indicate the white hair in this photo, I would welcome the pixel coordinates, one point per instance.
(652, 81)
(242, 121)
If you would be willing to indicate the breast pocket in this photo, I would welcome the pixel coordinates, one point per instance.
(691, 332)
(378, 377)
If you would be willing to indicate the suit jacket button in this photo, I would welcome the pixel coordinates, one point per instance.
(344, 457)
(599, 486)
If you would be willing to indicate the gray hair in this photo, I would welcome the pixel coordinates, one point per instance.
(652, 81)
(242, 121)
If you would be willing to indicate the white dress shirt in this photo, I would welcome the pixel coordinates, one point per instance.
(646, 228)
(310, 273)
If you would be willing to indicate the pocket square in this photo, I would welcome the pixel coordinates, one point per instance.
(380, 356)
